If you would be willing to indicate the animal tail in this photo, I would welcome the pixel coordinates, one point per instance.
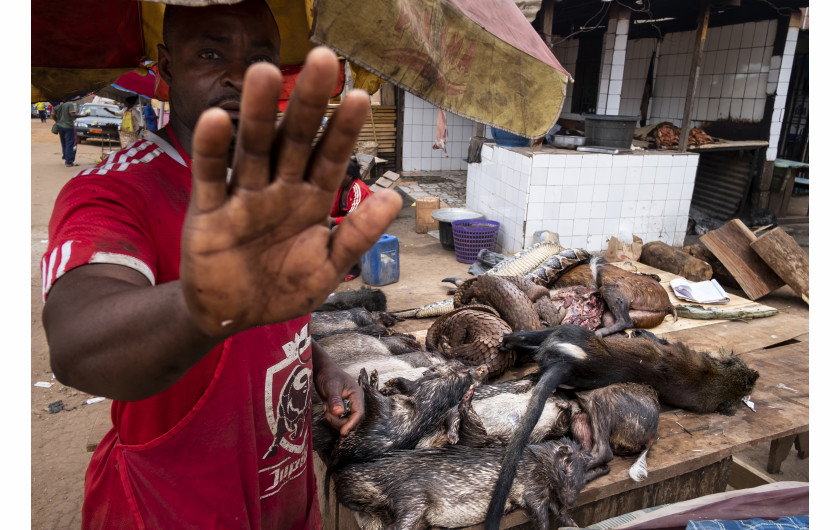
(638, 471)
(542, 390)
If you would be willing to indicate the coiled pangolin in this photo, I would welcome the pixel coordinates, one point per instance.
(523, 304)
(472, 334)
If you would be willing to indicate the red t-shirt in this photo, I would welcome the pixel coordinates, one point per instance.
(358, 192)
(229, 444)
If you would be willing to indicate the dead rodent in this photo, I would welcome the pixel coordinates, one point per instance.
(400, 421)
(450, 487)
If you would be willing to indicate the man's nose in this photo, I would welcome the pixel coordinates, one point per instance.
(234, 75)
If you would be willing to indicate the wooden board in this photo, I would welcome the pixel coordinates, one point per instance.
(731, 244)
(787, 259)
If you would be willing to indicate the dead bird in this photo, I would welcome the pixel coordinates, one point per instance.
(450, 487)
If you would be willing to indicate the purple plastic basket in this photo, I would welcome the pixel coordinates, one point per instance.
(472, 235)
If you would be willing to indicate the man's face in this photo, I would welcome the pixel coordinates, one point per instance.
(209, 51)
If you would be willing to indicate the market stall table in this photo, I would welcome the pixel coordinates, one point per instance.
(693, 455)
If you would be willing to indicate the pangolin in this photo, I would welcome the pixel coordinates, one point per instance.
(472, 334)
(523, 304)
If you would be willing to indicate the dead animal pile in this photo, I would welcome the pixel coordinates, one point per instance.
(666, 134)
(450, 487)
(540, 263)
(574, 357)
(520, 302)
(445, 435)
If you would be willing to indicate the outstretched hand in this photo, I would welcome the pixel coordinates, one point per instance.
(258, 250)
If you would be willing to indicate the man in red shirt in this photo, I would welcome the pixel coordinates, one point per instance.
(179, 278)
(350, 195)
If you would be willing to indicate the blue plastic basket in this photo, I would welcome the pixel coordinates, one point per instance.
(506, 139)
(472, 235)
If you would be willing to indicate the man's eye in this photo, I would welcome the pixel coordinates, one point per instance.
(208, 55)
(260, 59)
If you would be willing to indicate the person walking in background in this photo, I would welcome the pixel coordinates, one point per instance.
(132, 121)
(65, 116)
(150, 117)
(42, 111)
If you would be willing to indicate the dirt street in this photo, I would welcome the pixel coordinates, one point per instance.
(58, 448)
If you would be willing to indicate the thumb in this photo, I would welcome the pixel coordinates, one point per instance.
(336, 404)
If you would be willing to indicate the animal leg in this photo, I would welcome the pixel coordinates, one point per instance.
(643, 333)
(401, 385)
(566, 519)
(592, 474)
(471, 429)
(620, 308)
(412, 518)
(538, 513)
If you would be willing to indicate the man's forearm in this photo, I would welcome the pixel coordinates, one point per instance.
(125, 342)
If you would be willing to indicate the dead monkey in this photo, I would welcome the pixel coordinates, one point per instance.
(634, 299)
(573, 356)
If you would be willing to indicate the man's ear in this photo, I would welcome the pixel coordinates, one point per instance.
(164, 64)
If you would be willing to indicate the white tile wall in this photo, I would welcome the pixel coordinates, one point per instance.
(737, 74)
(585, 198)
(779, 78)
(419, 121)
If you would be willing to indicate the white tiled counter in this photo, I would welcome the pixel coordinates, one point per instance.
(584, 197)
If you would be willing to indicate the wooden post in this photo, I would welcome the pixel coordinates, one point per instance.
(548, 21)
(696, 62)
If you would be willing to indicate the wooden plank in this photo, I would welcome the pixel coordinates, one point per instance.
(787, 259)
(740, 336)
(743, 475)
(704, 481)
(731, 244)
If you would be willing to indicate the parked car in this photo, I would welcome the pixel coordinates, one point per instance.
(96, 122)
